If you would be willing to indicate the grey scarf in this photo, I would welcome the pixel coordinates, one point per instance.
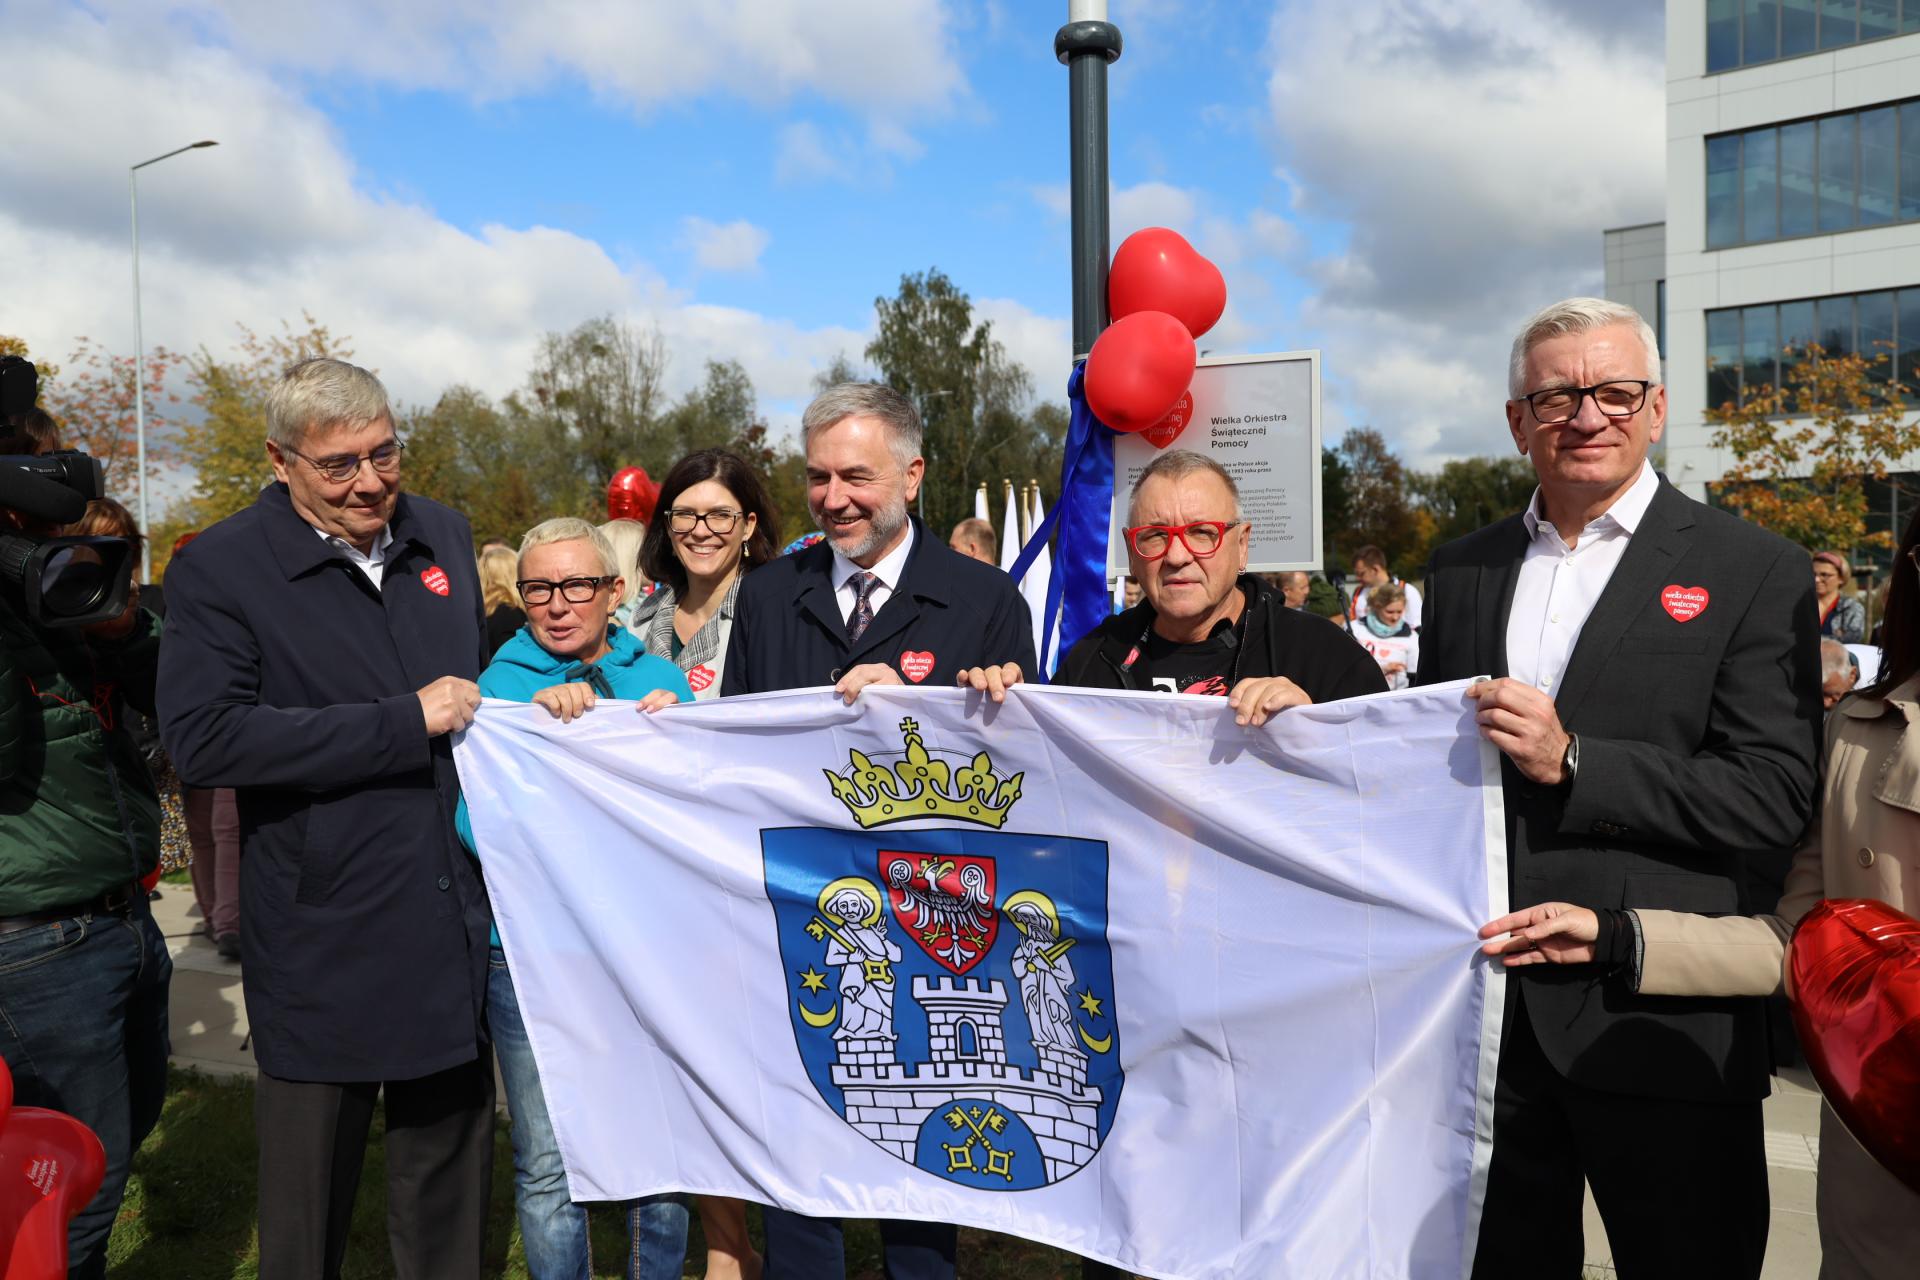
(653, 623)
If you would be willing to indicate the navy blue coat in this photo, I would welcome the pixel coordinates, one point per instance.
(285, 674)
(948, 613)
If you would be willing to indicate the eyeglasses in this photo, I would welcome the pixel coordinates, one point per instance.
(340, 467)
(1201, 538)
(720, 520)
(572, 590)
(1554, 405)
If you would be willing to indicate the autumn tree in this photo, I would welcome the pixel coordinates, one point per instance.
(1803, 451)
(1470, 493)
(971, 395)
(597, 392)
(93, 398)
(1380, 508)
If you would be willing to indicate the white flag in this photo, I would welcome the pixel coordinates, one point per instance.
(1010, 530)
(1098, 969)
(980, 511)
(1034, 585)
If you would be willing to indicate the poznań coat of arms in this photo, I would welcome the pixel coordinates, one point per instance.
(952, 989)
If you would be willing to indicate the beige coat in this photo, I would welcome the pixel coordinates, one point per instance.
(1865, 844)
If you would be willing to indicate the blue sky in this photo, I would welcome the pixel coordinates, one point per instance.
(446, 179)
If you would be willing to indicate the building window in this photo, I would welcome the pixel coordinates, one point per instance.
(1744, 33)
(1847, 170)
(1746, 345)
(969, 1040)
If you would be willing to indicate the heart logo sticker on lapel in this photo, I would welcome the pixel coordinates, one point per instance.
(916, 666)
(700, 677)
(436, 581)
(1684, 604)
(1163, 432)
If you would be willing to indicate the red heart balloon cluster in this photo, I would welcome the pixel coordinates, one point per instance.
(51, 1165)
(631, 495)
(1162, 295)
(1854, 964)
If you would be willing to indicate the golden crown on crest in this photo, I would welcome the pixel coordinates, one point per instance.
(920, 786)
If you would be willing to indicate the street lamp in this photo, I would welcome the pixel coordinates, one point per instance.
(140, 356)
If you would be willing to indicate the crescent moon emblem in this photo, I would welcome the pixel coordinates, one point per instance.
(823, 1019)
(1101, 1045)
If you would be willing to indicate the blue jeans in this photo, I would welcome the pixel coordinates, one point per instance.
(83, 1029)
(553, 1229)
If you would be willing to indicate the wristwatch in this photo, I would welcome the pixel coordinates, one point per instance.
(1570, 760)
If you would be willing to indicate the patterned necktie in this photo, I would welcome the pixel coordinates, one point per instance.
(862, 616)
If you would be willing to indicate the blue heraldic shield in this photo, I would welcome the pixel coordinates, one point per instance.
(951, 987)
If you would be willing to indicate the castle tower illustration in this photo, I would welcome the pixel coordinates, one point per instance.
(889, 1101)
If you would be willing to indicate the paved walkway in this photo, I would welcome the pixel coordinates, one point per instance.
(210, 1031)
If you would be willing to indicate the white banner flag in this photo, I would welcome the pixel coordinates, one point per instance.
(1098, 969)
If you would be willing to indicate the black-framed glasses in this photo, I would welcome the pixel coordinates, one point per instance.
(1621, 398)
(572, 590)
(1201, 538)
(720, 521)
(341, 467)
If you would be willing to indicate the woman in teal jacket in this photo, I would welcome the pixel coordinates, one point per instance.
(566, 658)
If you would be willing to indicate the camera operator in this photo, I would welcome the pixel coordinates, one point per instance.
(83, 968)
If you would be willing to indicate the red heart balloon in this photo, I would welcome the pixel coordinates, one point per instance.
(1157, 270)
(50, 1166)
(1165, 431)
(631, 495)
(1855, 969)
(1138, 370)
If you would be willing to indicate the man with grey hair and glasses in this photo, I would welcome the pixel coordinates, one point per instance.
(321, 648)
(1655, 694)
(879, 601)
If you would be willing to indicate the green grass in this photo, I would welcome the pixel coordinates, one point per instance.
(188, 1212)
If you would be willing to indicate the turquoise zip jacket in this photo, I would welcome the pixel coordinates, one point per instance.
(522, 668)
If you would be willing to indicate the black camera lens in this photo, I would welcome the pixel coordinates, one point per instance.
(74, 581)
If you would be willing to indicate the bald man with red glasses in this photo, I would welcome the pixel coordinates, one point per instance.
(1206, 625)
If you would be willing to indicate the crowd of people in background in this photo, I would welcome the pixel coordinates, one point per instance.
(323, 645)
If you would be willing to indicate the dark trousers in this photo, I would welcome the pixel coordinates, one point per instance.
(801, 1248)
(83, 1029)
(439, 1165)
(1681, 1186)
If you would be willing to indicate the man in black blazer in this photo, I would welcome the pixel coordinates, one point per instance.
(877, 602)
(1656, 695)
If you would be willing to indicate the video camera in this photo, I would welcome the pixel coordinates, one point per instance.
(57, 582)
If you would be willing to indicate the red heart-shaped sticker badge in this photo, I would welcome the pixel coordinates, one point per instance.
(916, 666)
(435, 579)
(1684, 604)
(1163, 432)
(700, 677)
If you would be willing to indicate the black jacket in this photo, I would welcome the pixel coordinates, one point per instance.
(285, 674)
(1307, 649)
(948, 613)
(1698, 750)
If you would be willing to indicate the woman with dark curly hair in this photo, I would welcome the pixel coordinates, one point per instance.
(713, 522)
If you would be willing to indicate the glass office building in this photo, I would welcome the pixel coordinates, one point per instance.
(1793, 200)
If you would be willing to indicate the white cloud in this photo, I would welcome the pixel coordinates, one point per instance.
(1043, 344)
(729, 246)
(273, 223)
(1473, 154)
(876, 56)
(805, 155)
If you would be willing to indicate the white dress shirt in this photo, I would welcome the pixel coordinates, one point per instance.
(888, 571)
(1559, 586)
(372, 563)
